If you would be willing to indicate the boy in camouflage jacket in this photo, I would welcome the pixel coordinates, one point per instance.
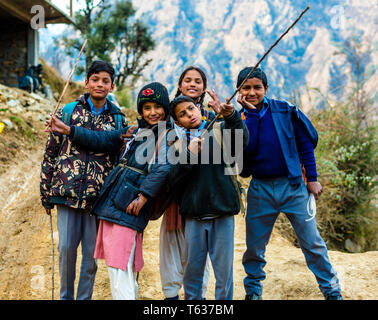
(72, 177)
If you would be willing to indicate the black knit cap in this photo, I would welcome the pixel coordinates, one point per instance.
(258, 73)
(153, 92)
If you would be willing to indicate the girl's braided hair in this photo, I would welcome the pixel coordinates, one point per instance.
(204, 80)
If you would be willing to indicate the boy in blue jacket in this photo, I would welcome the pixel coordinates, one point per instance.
(281, 139)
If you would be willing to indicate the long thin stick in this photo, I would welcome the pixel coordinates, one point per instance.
(255, 67)
(69, 78)
(53, 255)
(51, 223)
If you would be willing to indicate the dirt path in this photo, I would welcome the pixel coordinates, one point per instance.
(25, 251)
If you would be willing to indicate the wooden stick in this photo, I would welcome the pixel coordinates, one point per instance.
(255, 67)
(69, 78)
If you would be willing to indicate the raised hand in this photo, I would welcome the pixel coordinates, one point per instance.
(242, 100)
(195, 145)
(57, 126)
(215, 103)
(226, 108)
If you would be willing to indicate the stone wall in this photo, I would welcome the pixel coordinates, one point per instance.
(13, 50)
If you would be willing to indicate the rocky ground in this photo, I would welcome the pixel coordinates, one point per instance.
(25, 239)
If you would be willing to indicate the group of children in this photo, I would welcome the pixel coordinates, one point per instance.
(107, 183)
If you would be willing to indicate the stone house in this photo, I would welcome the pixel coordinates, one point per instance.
(19, 41)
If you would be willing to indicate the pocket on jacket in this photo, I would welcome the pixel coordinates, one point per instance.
(125, 195)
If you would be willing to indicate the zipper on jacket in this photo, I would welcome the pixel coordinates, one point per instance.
(84, 180)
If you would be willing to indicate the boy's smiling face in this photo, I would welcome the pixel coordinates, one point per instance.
(99, 85)
(254, 91)
(188, 115)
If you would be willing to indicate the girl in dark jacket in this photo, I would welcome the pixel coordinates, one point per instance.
(125, 200)
(192, 83)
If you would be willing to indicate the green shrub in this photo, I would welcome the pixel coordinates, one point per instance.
(124, 97)
(346, 161)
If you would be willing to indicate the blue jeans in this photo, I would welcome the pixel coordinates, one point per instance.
(75, 226)
(266, 199)
(216, 237)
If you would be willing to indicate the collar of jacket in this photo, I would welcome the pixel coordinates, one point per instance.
(262, 112)
(112, 109)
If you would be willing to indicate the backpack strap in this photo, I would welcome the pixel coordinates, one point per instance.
(118, 121)
(69, 108)
(67, 112)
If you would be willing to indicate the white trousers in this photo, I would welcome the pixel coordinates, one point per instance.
(123, 284)
(173, 260)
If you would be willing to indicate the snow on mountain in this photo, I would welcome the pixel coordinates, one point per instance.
(223, 36)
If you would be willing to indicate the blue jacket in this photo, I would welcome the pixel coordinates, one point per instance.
(131, 176)
(282, 114)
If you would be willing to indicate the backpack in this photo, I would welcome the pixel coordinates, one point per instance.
(69, 108)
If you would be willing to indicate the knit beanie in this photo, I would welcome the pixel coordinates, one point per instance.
(258, 73)
(153, 92)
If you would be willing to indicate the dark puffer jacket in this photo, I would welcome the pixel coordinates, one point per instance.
(142, 170)
(203, 191)
(71, 175)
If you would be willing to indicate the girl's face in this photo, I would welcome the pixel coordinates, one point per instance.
(153, 112)
(254, 91)
(192, 85)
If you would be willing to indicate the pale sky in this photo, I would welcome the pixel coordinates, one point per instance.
(64, 5)
(57, 29)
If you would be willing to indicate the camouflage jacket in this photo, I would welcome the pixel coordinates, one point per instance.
(71, 175)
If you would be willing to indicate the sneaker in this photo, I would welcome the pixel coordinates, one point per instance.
(334, 297)
(173, 298)
(253, 297)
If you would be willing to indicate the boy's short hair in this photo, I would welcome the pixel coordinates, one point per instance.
(258, 73)
(98, 66)
(175, 102)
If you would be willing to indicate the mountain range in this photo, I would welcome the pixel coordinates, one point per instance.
(223, 36)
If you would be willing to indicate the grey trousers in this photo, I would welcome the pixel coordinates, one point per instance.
(173, 260)
(75, 226)
(266, 198)
(216, 238)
